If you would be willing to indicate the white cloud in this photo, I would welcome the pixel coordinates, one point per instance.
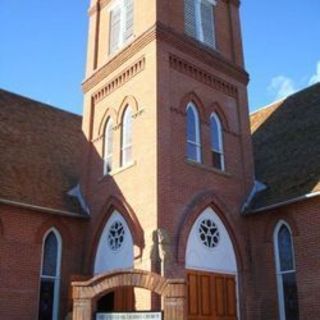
(316, 77)
(281, 87)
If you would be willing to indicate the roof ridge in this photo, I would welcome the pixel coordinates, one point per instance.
(20, 96)
(284, 99)
(268, 106)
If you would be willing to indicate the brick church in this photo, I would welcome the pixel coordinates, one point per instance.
(166, 195)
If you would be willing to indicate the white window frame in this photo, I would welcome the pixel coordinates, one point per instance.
(220, 139)
(107, 155)
(124, 143)
(197, 142)
(57, 278)
(279, 273)
(122, 38)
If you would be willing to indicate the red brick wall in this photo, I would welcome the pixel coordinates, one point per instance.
(304, 221)
(21, 246)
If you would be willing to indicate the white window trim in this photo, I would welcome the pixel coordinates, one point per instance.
(220, 139)
(279, 273)
(106, 154)
(199, 31)
(123, 15)
(57, 278)
(197, 142)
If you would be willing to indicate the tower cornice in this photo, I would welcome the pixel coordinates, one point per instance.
(182, 42)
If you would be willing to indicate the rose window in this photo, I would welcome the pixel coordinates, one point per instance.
(209, 233)
(116, 235)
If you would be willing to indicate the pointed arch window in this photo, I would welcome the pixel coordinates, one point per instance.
(286, 273)
(216, 142)
(50, 276)
(108, 146)
(193, 133)
(126, 137)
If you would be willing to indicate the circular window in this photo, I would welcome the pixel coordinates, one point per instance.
(116, 235)
(209, 233)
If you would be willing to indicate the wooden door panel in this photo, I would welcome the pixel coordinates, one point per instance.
(124, 299)
(231, 297)
(219, 296)
(193, 305)
(211, 296)
(205, 295)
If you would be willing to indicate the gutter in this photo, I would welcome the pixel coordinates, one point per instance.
(287, 202)
(42, 209)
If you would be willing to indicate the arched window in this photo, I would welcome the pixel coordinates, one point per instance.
(115, 247)
(193, 134)
(286, 273)
(50, 276)
(108, 147)
(126, 143)
(216, 142)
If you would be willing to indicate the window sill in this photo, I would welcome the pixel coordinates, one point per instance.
(207, 168)
(117, 171)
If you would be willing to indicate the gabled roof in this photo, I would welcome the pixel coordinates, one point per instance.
(40, 152)
(286, 142)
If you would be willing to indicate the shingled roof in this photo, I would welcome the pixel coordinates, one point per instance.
(40, 149)
(286, 142)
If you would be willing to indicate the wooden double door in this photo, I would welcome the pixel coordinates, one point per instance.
(211, 296)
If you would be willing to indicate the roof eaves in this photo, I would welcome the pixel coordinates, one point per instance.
(283, 203)
(43, 209)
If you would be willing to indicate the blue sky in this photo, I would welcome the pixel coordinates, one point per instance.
(43, 48)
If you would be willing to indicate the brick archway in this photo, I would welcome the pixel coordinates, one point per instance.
(85, 294)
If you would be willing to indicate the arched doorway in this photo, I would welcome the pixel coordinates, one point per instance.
(86, 294)
(211, 270)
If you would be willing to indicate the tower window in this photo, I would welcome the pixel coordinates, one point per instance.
(108, 147)
(199, 20)
(286, 273)
(121, 24)
(50, 277)
(193, 134)
(126, 140)
(216, 142)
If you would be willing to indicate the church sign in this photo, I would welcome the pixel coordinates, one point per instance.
(130, 316)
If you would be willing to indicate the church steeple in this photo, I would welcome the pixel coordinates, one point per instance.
(165, 116)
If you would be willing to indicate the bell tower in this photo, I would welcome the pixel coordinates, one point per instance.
(166, 120)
